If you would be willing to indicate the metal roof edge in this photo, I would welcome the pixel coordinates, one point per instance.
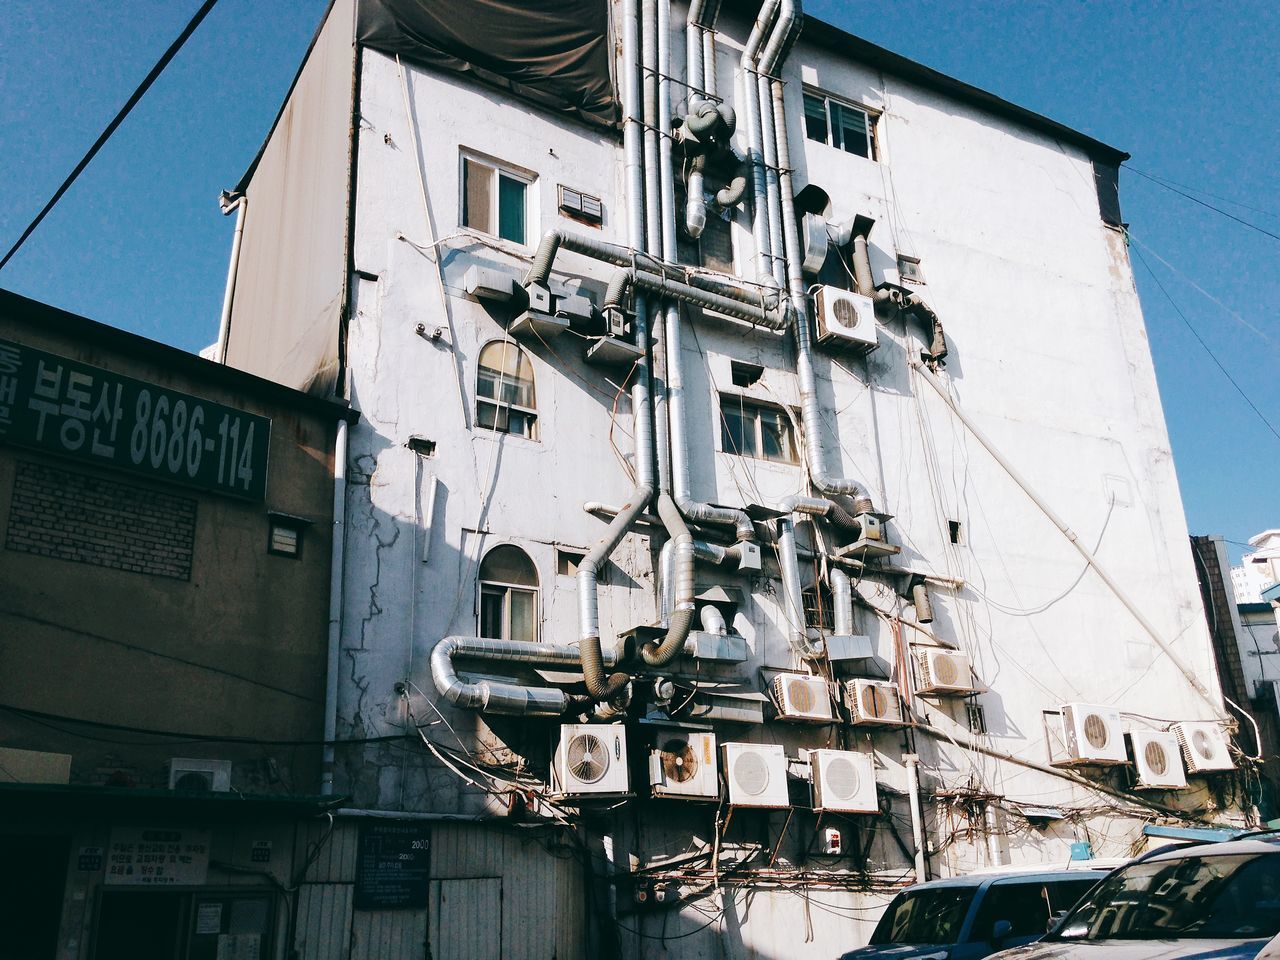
(44, 317)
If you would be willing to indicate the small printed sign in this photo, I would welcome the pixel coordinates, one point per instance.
(392, 866)
(157, 857)
(260, 852)
(75, 410)
(89, 859)
(209, 918)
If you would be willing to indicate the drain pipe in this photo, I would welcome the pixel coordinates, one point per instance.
(239, 205)
(337, 556)
(912, 763)
(755, 139)
(493, 696)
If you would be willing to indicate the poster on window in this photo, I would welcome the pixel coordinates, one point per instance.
(157, 856)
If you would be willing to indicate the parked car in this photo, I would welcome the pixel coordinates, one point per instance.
(1212, 900)
(955, 919)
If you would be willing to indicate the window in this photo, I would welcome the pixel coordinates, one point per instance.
(494, 200)
(839, 125)
(819, 608)
(284, 534)
(909, 269)
(508, 595)
(567, 562)
(975, 715)
(953, 531)
(1027, 905)
(925, 916)
(756, 430)
(714, 249)
(505, 399)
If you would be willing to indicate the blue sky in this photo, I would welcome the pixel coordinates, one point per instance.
(1189, 89)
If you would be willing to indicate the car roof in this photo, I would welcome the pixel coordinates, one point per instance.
(1226, 848)
(979, 879)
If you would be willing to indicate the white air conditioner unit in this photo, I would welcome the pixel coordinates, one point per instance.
(1157, 758)
(756, 774)
(944, 672)
(1204, 746)
(683, 764)
(873, 702)
(844, 781)
(846, 319)
(199, 776)
(591, 759)
(1093, 734)
(802, 699)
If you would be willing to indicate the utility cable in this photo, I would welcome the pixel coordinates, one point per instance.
(1166, 181)
(137, 95)
(1199, 339)
(1183, 193)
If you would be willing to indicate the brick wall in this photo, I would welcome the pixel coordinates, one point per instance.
(72, 516)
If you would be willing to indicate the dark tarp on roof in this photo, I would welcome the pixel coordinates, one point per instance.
(1107, 178)
(554, 53)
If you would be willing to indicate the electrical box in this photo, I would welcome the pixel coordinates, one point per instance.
(490, 283)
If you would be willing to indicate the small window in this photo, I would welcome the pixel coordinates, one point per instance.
(819, 609)
(841, 125)
(714, 249)
(505, 399)
(567, 562)
(756, 430)
(976, 716)
(909, 269)
(284, 535)
(508, 595)
(495, 200)
(953, 530)
(1024, 905)
(745, 374)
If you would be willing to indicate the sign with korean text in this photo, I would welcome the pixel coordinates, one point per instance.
(157, 856)
(80, 411)
(392, 866)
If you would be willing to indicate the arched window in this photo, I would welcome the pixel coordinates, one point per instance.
(505, 399)
(508, 595)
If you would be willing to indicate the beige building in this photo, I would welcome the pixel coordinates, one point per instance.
(166, 526)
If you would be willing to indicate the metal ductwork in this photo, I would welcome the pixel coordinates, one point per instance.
(493, 696)
(841, 602)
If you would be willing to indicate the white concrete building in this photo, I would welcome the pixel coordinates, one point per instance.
(504, 422)
(1258, 569)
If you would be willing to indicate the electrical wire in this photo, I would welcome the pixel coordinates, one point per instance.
(1182, 193)
(111, 127)
(1212, 356)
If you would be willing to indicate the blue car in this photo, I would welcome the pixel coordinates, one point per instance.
(970, 917)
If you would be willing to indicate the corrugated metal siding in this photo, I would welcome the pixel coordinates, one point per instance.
(383, 934)
(324, 921)
(466, 919)
(336, 857)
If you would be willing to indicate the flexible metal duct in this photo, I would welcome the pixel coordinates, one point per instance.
(841, 602)
(493, 696)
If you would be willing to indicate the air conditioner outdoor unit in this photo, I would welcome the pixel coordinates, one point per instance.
(944, 672)
(1157, 757)
(802, 699)
(844, 781)
(873, 702)
(683, 764)
(591, 759)
(756, 774)
(846, 319)
(199, 775)
(1204, 746)
(1093, 734)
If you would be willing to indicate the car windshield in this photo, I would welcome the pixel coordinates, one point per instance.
(1225, 897)
(925, 916)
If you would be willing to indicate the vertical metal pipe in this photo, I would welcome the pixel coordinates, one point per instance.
(770, 134)
(337, 555)
(793, 592)
(841, 602)
(233, 270)
(755, 140)
(917, 825)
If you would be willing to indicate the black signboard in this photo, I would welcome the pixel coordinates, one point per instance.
(392, 868)
(76, 410)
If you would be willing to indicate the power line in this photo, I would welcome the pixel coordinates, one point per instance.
(113, 125)
(1216, 196)
(1253, 406)
(1183, 193)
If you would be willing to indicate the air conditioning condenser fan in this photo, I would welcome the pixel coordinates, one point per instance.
(590, 759)
(683, 764)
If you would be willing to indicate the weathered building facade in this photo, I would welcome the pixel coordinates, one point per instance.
(166, 528)
(762, 496)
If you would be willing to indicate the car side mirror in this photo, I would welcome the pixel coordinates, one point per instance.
(1000, 931)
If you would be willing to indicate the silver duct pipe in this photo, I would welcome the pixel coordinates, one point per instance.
(862, 267)
(773, 201)
(721, 284)
(492, 696)
(649, 75)
(772, 317)
(820, 474)
(793, 592)
(660, 654)
(693, 34)
(713, 620)
(755, 139)
(841, 602)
